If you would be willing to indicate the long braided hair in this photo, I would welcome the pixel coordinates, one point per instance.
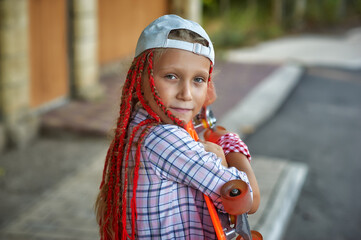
(111, 204)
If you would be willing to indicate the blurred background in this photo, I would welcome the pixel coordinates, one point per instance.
(62, 63)
(56, 51)
(243, 23)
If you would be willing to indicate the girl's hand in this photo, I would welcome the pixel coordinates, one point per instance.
(216, 149)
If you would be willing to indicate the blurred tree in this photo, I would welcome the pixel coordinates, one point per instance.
(211, 8)
(225, 6)
(243, 22)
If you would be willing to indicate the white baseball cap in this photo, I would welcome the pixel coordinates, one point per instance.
(155, 35)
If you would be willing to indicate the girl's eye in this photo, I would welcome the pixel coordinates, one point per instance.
(199, 80)
(170, 76)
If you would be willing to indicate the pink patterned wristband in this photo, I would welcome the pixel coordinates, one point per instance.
(231, 142)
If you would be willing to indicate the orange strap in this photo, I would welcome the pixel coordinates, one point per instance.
(212, 210)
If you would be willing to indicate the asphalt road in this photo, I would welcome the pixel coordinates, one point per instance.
(320, 125)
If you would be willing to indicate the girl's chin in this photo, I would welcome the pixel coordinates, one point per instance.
(185, 119)
(167, 120)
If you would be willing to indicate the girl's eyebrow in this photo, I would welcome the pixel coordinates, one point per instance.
(175, 68)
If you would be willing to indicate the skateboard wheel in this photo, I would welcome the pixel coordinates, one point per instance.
(236, 197)
(212, 135)
(256, 235)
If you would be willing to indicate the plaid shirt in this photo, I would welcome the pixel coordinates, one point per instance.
(174, 173)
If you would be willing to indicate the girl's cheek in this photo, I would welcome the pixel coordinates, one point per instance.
(210, 94)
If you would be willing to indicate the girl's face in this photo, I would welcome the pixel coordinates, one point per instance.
(181, 79)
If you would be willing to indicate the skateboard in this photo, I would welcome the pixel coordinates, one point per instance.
(235, 194)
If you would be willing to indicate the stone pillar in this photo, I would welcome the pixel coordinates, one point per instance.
(195, 10)
(19, 123)
(85, 68)
(189, 9)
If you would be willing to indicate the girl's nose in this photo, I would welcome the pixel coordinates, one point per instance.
(185, 91)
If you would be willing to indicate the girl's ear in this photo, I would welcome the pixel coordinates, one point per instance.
(211, 94)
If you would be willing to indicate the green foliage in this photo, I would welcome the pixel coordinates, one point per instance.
(357, 7)
(241, 25)
(234, 23)
(211, 7)
(323, 12)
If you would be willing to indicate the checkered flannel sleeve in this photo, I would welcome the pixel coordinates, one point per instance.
(177, 157)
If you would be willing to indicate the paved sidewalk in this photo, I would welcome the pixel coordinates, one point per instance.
(66, 212)
(333, 51)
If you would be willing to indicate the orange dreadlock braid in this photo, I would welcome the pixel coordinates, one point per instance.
(109, 215)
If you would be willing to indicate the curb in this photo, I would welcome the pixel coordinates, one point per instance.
(263, 102)
(283, 201)
(282, 191)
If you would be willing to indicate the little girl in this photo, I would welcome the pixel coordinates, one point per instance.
(155, 174)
